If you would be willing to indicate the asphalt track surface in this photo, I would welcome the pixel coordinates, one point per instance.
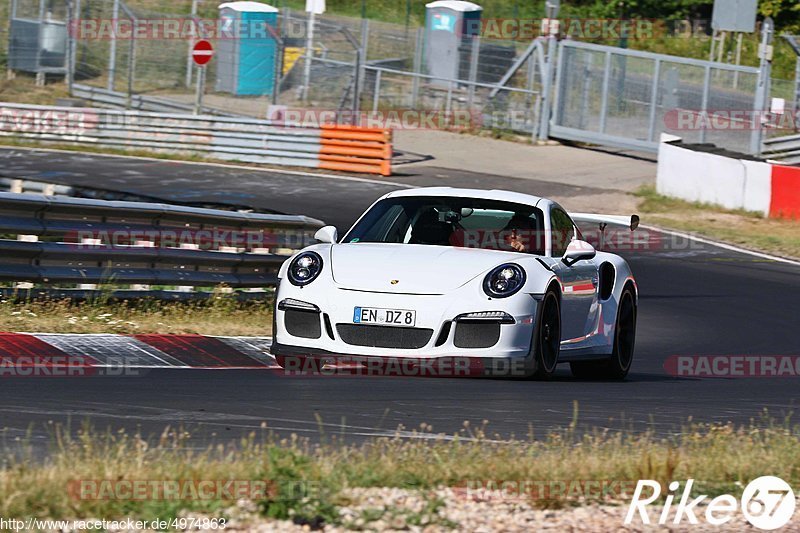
(694, 300)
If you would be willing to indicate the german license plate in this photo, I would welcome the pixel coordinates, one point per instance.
(384, 317)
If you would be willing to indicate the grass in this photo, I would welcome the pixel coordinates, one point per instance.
(220, 315)
(23, 90)
(307, 482)
(743, 228)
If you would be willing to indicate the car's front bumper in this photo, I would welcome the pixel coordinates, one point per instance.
(322, 327)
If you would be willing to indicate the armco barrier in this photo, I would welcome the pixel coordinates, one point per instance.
(331, 147)
(132, 243)
(693, 173)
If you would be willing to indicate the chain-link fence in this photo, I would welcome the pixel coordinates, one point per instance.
(350, 60)
(603, 93)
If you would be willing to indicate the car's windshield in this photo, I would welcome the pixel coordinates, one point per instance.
(452, 221)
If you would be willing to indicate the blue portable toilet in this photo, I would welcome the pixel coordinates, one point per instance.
(246, 50)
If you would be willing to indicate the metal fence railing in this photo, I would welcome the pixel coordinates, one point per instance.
(59, 241)
(325, 146)
(785, 149)
(627, 97)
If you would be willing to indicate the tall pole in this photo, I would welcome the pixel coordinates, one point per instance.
(762, 89)
(309, 53)
(131, 69)
(191, 45)
(112, 50)
(70, 48)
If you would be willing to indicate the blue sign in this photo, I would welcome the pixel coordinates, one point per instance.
(445, 22)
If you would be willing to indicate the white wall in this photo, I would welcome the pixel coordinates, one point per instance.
(714, 179)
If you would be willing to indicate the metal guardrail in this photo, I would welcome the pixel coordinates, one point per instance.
(131, 243)
(137, 102)
(330, 147)
(783, 149)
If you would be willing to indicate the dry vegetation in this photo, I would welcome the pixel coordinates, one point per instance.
(220, 315)
(310, 483)
(749, 230)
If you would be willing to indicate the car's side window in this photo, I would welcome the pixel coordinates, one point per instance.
(562, 231)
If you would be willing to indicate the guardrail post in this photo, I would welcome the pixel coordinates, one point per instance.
(187, 246)
(142, 286)
(89, 242)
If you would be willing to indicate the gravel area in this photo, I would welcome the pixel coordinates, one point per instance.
(392, 509)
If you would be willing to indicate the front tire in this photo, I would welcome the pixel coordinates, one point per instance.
(618, 365)
(546, 344)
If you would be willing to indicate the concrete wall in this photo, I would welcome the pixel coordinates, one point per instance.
(696, 176)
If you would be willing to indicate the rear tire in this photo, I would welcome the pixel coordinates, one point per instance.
(546, 343)
(619, 364)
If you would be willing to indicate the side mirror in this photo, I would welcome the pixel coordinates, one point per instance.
(327, 234)
(578, 251)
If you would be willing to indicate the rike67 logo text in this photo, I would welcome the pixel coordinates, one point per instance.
(768, 503)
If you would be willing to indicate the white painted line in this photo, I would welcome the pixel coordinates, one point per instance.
(222, 165)
(724, 246)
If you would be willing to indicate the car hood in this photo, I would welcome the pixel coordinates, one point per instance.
(417, 269)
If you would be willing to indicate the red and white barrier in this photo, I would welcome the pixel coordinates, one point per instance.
(697, 176)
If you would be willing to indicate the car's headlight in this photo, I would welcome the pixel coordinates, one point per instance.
(504, 280)
(305, 268)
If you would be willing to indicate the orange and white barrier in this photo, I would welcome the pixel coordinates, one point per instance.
(355, 149)
(692, 173)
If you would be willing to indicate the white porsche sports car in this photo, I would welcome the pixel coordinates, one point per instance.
(499, 278)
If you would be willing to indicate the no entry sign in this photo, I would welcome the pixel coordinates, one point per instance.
(202, 52)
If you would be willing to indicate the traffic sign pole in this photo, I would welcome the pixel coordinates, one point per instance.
(202, 52)
(199, 90)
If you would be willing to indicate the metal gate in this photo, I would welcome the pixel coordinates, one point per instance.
(627, 98)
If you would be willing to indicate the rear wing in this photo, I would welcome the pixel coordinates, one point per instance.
(632, 222)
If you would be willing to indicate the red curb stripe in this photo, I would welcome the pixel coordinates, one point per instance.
(199, 351)
(14, 346)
